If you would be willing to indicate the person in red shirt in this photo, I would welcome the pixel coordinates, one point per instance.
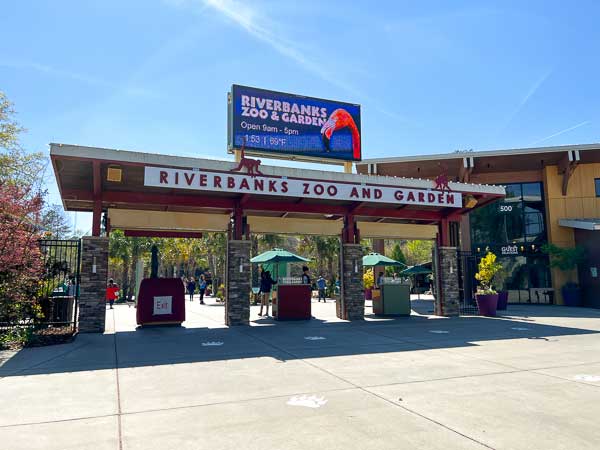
(112, 292)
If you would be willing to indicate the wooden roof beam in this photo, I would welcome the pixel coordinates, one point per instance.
(466, 169)
(567, 166)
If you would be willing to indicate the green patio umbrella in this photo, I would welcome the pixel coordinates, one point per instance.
(278, 256)
(415, 270)
(377, 259)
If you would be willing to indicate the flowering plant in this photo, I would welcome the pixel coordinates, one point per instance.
(488, 268)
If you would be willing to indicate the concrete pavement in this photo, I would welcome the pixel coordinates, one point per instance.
(527, 380)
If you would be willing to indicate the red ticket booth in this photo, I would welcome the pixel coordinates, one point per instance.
(161, 301)
(293, 302)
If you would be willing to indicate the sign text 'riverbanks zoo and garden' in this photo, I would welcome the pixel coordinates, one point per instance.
(288, 187)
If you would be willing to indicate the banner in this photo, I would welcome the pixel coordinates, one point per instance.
(285, 187)
(287, 124)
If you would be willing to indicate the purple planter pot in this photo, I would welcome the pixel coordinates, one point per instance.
(502, 300)
(487, 304)
(571, 296)
(368, 294)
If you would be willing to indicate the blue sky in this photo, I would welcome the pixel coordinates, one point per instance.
(431, 76)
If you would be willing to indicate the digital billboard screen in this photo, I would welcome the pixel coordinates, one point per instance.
(286, 124)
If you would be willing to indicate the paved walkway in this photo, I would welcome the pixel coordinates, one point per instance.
(529, 380)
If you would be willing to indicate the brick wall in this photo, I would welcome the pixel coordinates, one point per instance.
(237, 284)
(92, 288)
(352, 305)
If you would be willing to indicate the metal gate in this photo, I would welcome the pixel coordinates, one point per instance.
(59, 294)
(467, 284)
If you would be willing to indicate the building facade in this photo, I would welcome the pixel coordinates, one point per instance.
(552, 196)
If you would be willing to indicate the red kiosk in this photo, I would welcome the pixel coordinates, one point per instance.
(161, 301)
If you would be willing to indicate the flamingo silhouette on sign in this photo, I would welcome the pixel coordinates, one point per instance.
(340, 118)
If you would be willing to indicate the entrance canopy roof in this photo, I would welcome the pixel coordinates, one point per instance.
(484, 165)
(117, 181)
(582, 224)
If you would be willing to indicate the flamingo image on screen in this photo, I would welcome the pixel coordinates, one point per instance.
(340, 118)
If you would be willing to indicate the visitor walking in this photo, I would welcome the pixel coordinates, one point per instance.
(191, 288)
(202, 288)
(112, 292)
(321, 283)
(266, 283)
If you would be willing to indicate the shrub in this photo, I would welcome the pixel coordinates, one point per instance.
(565, 259)
(221, 292)
(488, 268)
(368, 279)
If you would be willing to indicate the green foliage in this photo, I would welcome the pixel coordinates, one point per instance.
(398, 255)
(221, 293)
(9, 128)
(368, 279)
(55, 223)
(418, 252)
(488, 268)
(323, 252)
(16, 337)
(564, 258)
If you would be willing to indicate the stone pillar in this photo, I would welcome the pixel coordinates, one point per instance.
(92, 286)
(352, 299)
(237, 283)
(446, 275)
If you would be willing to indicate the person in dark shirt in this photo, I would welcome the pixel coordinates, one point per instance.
(305, 276)
(191, 287)
(202, 288)
(266, 283)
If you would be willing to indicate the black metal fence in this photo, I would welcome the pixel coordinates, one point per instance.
(467, 284)
(59, 294)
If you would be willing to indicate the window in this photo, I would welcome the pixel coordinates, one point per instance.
(597, 181)
(519, 218)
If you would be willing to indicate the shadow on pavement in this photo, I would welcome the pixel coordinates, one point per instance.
(288, 340)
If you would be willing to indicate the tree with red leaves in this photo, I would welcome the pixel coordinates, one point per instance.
(21, 265)
(21, 208)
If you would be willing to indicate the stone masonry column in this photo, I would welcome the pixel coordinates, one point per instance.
(446, 276)
(92, 286)
(237, 283)
(352, 299)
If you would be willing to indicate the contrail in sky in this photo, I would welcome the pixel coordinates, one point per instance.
(530, 93)
(566, 130)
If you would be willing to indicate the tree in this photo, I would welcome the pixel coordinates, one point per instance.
(55, 223)
(9, 127)
(21, 203)
(398, 255)
(17, 167)
(124, 254)
(418, 252)
(323, 252)
(20, 259)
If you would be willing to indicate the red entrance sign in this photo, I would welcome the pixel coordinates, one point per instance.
(287, 187)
